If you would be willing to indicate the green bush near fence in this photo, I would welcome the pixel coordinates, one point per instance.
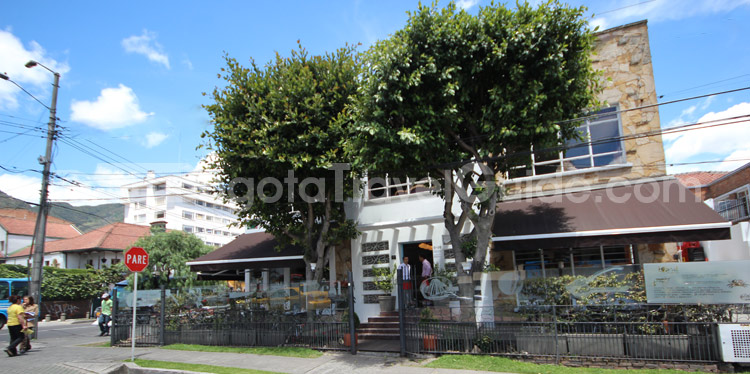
(69, 284)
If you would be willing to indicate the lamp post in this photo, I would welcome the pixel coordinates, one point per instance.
(41, 217)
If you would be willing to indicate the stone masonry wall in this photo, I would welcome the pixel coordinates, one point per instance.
(623, 55)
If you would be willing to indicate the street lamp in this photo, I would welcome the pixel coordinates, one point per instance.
(41, 217)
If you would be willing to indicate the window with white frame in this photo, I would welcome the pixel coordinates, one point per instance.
(199, 202)
(160, 214)
(187, 214)
(188, 186)
(392, 185)
(161, 200)
(187, 229)
(160, 187)
(599, 144)
(140, 218)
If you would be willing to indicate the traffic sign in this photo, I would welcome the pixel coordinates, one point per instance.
(136, 259)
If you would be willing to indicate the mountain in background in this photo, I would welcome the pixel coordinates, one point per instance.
(85, 218)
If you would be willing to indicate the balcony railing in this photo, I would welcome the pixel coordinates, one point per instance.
(734, 210)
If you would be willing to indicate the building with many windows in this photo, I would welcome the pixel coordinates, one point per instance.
(185, 203)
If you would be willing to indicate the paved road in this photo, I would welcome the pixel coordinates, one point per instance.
(62, 348)
(59, 343)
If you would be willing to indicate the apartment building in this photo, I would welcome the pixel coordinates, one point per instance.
(185, 202)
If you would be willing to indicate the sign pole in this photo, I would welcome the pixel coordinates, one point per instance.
(136, 259)
(132, 336)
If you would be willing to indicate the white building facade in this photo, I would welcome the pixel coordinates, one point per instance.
(185, 203)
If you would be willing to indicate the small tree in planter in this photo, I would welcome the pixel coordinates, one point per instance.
(348, 336)
(385, 279)
(426, 320)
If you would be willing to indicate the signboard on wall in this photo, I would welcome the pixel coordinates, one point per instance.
(720, 282)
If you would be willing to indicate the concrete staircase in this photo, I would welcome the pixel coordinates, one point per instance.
(382, 327)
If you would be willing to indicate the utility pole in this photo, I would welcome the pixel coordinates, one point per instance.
(35, 288)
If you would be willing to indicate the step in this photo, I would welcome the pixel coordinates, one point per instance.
(372, 336)
(378, 330)
(388, 314)
(378, 325)
(383, 319)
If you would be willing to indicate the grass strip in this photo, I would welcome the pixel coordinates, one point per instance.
(269, 351)
(197, 367)
(97, 345)
(502, 364)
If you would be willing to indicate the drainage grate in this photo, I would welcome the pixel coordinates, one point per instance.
(741, 343)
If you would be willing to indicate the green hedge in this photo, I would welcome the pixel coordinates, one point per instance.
(69, 284)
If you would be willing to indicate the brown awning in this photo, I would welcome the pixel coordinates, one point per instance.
(651, 212)
(249, 251)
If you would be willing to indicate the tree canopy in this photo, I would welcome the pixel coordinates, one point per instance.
(278, 134)
(452, 88)
(168, 253)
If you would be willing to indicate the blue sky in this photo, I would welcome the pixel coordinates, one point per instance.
(133, 74)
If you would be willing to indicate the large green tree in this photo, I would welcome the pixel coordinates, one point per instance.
(464, 93)
(278, 135)
(168, 252)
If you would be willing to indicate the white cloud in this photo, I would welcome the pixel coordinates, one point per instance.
(661, 10)
(113, 109)
(735, 160)
(712, 140)
(146, 45)
(154, 138)
(189, 64)
(466, 4)
(14, 57)
(96, 189)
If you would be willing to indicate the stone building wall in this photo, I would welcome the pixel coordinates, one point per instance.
(623, 55)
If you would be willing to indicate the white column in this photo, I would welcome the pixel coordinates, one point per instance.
(287, 276)
(265, 280)
(247, 280)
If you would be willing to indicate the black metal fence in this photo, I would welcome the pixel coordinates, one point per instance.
(682, 341)
(292, 316)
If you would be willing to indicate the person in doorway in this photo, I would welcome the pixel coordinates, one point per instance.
(426, 271)
(30, 311)
(16, 325)
(106, 315)
(405, 270)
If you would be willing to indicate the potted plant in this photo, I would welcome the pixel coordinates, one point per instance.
(384, 280)
(429, 341)
(348, 336)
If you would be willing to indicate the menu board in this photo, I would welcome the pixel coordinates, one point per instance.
(718, 282)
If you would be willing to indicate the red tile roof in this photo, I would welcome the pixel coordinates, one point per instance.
(26, 227)
(699, 178)
(29, 215)
(117, 236)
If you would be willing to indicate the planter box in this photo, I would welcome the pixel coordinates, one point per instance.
(387, 303)
(665, 347)
(597, 345)
(542, 344)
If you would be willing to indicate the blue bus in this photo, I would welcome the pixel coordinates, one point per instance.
(10, 286)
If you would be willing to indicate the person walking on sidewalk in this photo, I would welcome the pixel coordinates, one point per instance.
(106, 315)
(16, 325)
(30, 311)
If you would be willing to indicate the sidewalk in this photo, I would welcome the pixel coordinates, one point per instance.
(331, 362)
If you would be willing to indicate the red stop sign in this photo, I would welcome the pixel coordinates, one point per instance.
(136, 259)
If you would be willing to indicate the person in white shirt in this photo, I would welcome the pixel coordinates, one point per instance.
(426, 271)
(405, 270)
